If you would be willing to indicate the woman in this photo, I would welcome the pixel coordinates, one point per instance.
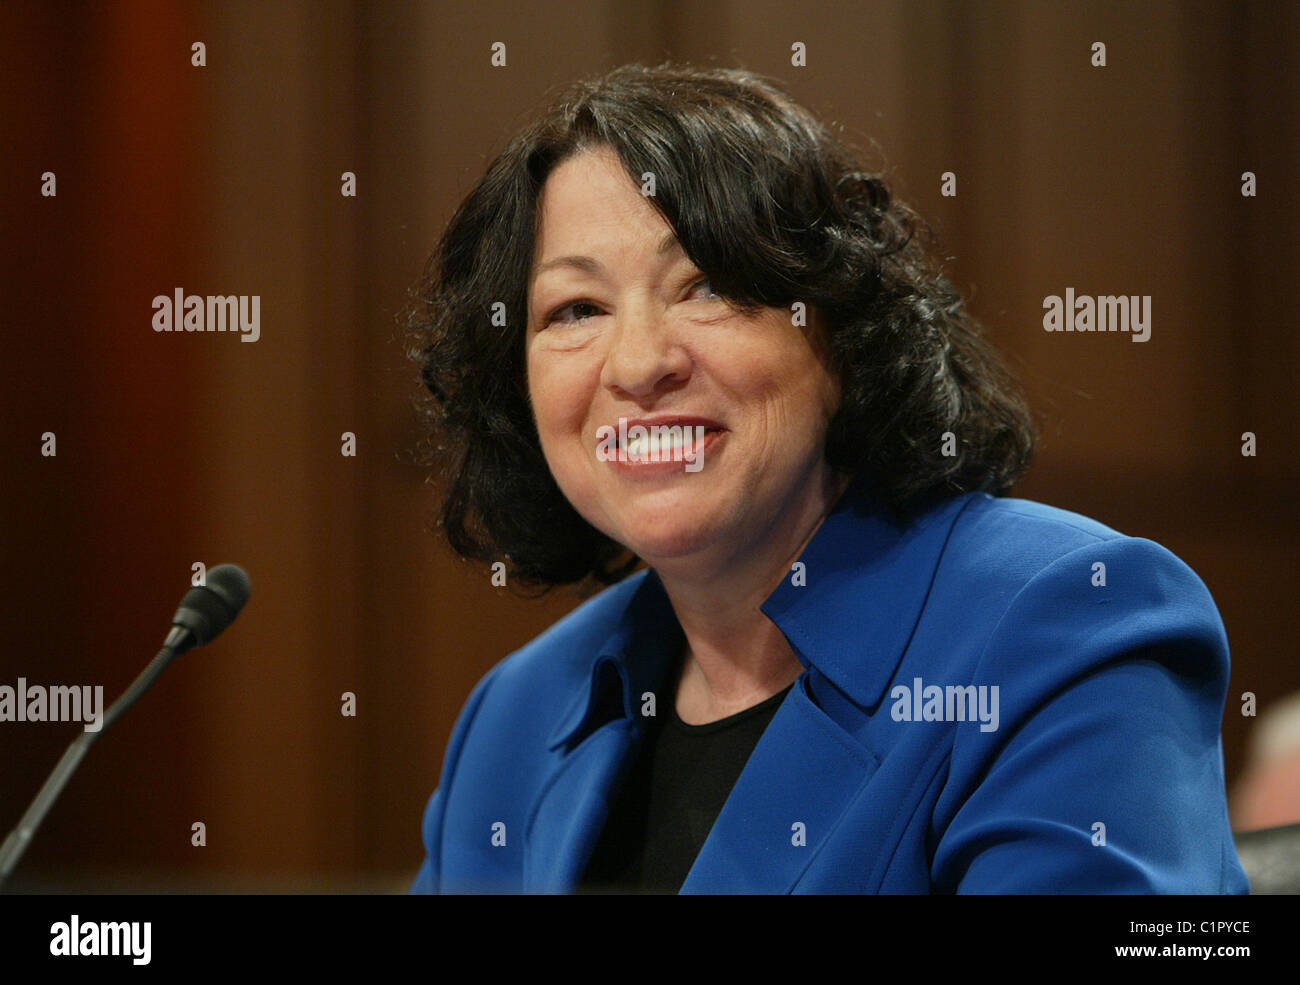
(675, 323)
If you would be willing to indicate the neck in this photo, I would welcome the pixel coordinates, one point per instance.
(735, 656)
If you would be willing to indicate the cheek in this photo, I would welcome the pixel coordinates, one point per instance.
(797, 395)
(830, 393)
(788, 379)
(557, 393)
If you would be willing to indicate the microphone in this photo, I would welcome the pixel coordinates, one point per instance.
(208, 609)
(203, 613)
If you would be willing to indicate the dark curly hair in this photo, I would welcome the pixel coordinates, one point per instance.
(772, 209)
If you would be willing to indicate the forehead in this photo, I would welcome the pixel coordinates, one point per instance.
(589, 202)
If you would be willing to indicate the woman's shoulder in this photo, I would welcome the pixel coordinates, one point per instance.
(1048, 575)
(1023, 522)
(996, 537)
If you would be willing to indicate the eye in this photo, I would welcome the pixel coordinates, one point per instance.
(709, 295)
(582, 310)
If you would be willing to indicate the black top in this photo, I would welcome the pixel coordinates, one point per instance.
(670, 798)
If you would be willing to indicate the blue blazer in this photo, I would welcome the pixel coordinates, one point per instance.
(997, 697)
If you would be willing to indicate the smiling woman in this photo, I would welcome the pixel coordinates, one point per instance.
(689, 249)
(656, 350)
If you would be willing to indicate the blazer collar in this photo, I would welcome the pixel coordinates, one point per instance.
(865, 580)
(636, 658)
(848, 612)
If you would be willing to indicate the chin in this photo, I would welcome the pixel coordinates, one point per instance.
(664, 545)
(670, 533)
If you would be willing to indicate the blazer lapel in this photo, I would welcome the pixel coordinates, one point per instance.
(801, 777)
(571, 810)
(597, 739)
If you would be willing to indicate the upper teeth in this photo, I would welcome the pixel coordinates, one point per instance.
(661, 438)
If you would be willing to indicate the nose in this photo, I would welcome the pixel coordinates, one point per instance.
(645, 357)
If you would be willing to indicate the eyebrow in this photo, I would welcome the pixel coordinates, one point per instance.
(591, 265)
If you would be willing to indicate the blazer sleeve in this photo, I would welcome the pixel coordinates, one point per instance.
(429, 879)
(1105, 770)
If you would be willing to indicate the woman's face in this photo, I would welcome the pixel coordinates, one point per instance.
(621, 324)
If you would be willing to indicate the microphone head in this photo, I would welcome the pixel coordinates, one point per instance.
(230, 581)
(209, 608)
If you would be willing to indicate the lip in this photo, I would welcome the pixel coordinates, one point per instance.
(652, 469)
(673, 420)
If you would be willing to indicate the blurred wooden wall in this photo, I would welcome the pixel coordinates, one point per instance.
(225, 180)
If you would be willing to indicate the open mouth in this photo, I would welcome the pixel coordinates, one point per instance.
(670, 443)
